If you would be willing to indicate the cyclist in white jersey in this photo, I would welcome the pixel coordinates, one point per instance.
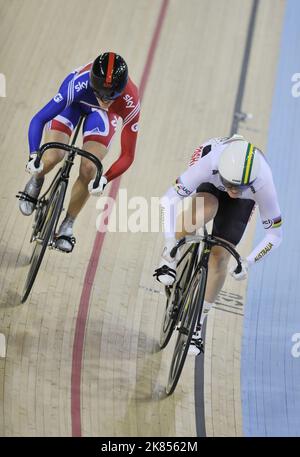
(232, 176)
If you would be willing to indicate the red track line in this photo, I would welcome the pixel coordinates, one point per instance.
(153, 47)
(94, 260)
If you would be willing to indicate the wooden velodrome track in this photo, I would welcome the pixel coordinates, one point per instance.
(117, 388)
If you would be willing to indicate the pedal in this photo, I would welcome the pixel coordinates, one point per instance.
(51, 245)
(37, 239)
(72, 240)
(183, 330)
(174, 312)
(24, 196)
(199, 345)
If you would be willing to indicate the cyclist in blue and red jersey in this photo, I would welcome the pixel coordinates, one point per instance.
(104, 92)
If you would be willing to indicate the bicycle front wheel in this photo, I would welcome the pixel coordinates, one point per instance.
(170, 316)
(174, 300)
(192, 307)
(52, 214)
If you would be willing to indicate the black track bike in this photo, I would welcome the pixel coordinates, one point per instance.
(186, 296)
(49, 206)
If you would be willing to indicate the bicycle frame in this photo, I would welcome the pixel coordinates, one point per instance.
(63, 173)
(190, 305)
(69, 160)
(208, 242)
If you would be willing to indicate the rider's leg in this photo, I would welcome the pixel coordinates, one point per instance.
(199, 213)
(229, 224)
(219, 257)
(87, 172)
(53, 156)
(50, 159)
(80, 193)
(187, 223)
(203, 208)
(217, 271)
(98, 130)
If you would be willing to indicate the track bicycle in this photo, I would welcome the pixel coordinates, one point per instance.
(186, 296)
(49, 206)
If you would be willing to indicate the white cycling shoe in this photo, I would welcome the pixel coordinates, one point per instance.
(65, 240)
(166, 272)
(30, 194)
(196, 345)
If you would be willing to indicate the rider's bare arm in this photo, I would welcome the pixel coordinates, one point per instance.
(199, 171)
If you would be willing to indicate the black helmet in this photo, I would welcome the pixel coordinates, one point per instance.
(109, 76)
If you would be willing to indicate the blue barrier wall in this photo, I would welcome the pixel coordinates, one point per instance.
(270, 372)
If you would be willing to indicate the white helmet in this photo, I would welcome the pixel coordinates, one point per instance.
(239, 162)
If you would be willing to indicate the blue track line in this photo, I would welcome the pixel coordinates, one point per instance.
(270, 370)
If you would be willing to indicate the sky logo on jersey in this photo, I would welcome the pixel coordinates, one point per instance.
(58, 98)
(181, 190)
(129, 101)
(81, 85)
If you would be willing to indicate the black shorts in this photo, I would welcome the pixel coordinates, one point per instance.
(232, 216)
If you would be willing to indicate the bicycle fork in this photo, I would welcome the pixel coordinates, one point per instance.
(204, 261)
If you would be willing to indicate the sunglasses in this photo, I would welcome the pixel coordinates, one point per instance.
(230, 185)
(105, 97)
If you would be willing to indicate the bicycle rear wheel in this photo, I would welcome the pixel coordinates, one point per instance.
(51, 217)
(173, 303)
(192, 307)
